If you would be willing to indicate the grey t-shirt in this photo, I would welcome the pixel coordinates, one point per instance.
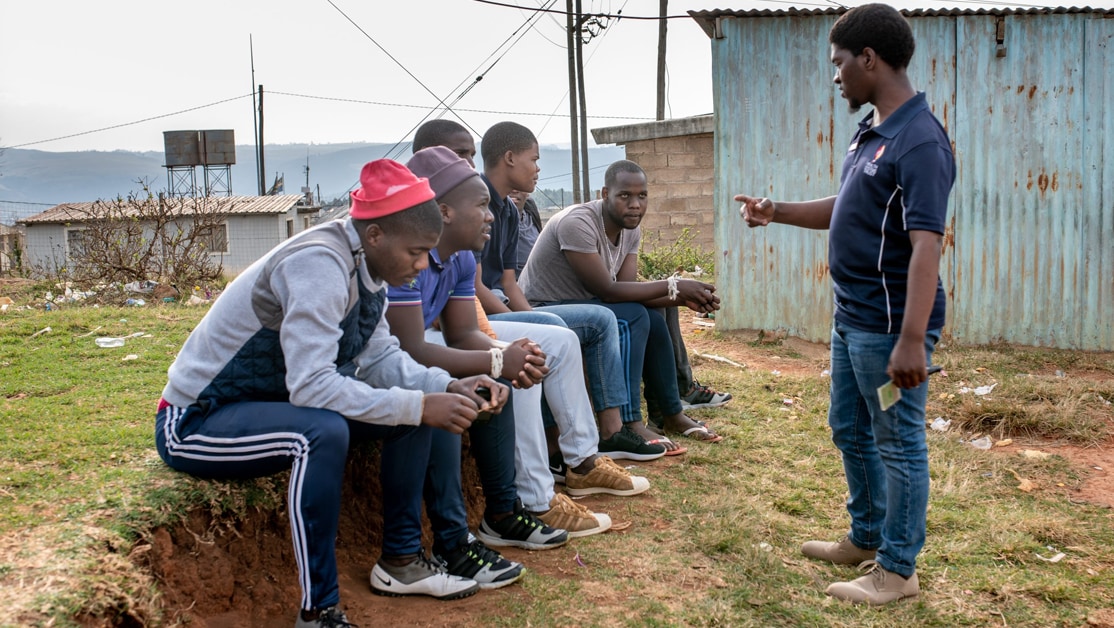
(548, 276)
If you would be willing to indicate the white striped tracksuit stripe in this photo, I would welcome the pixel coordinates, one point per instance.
(255, 447)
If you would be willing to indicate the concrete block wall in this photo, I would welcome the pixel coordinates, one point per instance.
(678, 157)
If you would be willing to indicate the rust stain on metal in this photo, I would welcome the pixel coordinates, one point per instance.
(1042, 182)
(831, 146)
(1032, 90)
(949, 236)
(1055, 181)
(820, 140)
(1020, 88)
(1029, 181)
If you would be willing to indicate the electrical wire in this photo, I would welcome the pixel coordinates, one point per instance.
(389, 55)
(124, 124)
(455, 109)
(617, 16)
(397, 150)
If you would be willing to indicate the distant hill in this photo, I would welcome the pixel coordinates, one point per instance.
(34, 176)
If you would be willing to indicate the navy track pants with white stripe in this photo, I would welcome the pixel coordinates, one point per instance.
(259, 438)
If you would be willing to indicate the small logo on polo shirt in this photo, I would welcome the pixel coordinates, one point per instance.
(871, 168)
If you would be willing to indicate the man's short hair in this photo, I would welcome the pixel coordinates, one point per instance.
(435, 133)
(876, 26)
(610, 178)
(421, 218)
(504, 137)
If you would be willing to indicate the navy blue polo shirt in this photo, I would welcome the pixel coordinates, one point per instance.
(896, 178)
(501, 251)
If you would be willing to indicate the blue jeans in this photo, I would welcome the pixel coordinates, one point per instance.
(646, 351)
(599, 336)
(885, 457)
(492, 445)
(251, 439)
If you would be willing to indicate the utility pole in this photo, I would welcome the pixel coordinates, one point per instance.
(572, 23)
(262, 169)
(255, 121)
(583, 105)
(664, 9)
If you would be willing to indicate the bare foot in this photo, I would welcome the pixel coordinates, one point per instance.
(683, 424)
(646, 433)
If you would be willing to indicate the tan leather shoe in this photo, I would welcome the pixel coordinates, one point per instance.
(842, 552)
(877, 587)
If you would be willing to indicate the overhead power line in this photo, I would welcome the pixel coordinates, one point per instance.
(117, 126)
(389, 55)
(455, 109)
(620, 15)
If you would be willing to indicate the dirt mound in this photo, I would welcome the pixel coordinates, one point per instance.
(221, 571)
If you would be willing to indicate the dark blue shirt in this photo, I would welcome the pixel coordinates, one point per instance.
(501, 251)
(896, 178)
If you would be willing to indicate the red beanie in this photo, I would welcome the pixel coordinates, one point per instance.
(387, 187)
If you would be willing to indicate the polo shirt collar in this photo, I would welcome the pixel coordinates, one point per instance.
(898, 119)
(435, 260)
(498, 202)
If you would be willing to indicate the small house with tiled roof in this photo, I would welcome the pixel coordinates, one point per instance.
(249, 227)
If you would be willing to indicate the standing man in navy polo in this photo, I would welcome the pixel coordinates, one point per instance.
(886, 228)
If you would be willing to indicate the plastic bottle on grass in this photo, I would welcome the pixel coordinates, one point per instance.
(981, 443)
(109, 343)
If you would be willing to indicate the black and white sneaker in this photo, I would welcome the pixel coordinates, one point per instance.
(626, 444)
(331, 617)
(521, 529)
(558, 468)
(701, 396)
(476, 561)
(420, 577)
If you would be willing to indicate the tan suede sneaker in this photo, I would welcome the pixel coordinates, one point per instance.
(877, 587)
(607, 477)
(842, 552)
(575, 519)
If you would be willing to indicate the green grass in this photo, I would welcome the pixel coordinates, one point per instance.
(713, 544)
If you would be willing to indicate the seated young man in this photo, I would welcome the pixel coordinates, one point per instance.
(601, 336)
(444, 292)
(256, 388)
(589, 252)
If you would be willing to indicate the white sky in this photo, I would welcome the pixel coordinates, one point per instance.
(72, 66)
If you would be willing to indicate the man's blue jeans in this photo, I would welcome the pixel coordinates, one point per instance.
(599, 340)
(885, 457)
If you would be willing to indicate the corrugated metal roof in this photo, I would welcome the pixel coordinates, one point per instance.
(232, 205)
(707, 19)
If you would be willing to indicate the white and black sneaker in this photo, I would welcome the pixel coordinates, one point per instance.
(521, 529)
(331, 617)
(558, 468)
(476, 561)
(420, 577)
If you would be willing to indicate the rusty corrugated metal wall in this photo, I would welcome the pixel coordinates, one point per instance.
(1029, 253)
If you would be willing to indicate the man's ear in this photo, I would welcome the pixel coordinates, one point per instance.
(603, 193)
(869, 58)
(446, 213)
(373, 234)
(508, 158)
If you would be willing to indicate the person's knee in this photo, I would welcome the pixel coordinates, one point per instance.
(329, 432)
